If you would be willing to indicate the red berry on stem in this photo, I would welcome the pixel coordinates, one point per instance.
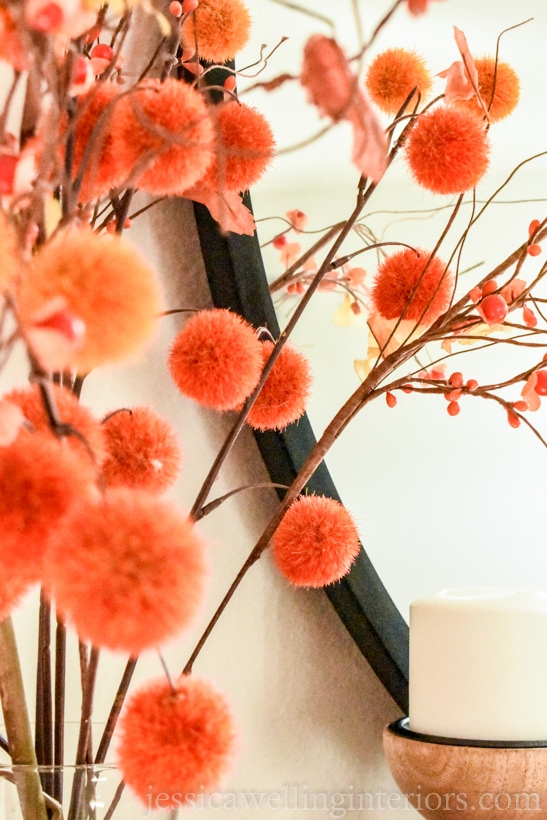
(475, 295)
(102, 51)
(534, 225)
(175, 8)
(513, 419)
(534, 249)
(471, 384)
(541, 383)
(279, 241)
(529, 317)
(391, 400)
(493, 309)
(521, 406)
(454, 395)
(453, 408)
(230, 83)
(489, 287)
(456, 379)
(189, 5)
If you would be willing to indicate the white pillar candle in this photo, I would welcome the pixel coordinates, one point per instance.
(478, 664)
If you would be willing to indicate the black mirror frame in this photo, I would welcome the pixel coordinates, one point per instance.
(237, 281)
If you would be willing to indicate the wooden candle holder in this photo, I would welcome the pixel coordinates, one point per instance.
(468, 779)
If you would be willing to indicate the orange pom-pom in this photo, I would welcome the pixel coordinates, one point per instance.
(393, 74)
(163, 140)
(128, 571)
(142, 450)
(402, 290)
(219, 28)
(40, 480)
(175, 746)
(70, 411)
(316, 542)
(506, 90)
(105, 282)
(96, 119)
(447, 150)
(245, 148)
(284, 395)
(216, 359)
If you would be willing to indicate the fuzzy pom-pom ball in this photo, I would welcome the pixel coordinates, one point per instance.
(40, 481)
(70, 411)
(142, 450)
(96, 120)
(285, 393)
(176, 745)
(164, 138)
(506, 90)
(245, 148)
(447, 150)
(105, 282)
(411, 285)
(219, 28)
(128, 570)
(393, 74)
(216, 359)
(316, 542)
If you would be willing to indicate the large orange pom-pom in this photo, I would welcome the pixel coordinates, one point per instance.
(105, 282)
(164, 138)
(128, 571)
(506, 91)
(316, 542)
(175, 746)
(96, 118)
(285, 393)
(447, 150)
(393, 74)
(71, 412)
(244, 150)
(142, 450)
(216, 359)
(219, 29)
(410, 285)
(40, 480)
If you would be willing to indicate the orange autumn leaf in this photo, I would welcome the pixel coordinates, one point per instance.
(226, 208)
(470, 70)
(335, 90)
(458, 86)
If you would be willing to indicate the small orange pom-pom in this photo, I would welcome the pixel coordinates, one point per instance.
(216, 359)
(96, 120)
(40, 480)
(244, 150)
(142, 450)
(175, 746)
(105, 282)
(285, 393)
(403, 290)
(128, 571)
(393, 74)
(447, 150)
(163, 139)
(506, 90)
(221, 28)
(70, 411)
(316, 542)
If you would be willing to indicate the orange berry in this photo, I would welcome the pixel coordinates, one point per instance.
(493, 309)
(189, 5)
(541, 383)
(471, 384)
(355, 308)
(521, 406)
(532, 228)
(453, 408)
(456, 379)
(230, 83)
(475, 295)
(489, 287)
(175, 8)
(407, 388)
(513, 419)
(534, 249)
(391, 400)
(529, 317)
(454, 395)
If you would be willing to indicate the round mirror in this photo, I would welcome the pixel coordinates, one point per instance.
(441, 500)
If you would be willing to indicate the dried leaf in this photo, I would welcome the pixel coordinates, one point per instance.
(471, 71)
(226, 208)
(335, 90)
(458, 86)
